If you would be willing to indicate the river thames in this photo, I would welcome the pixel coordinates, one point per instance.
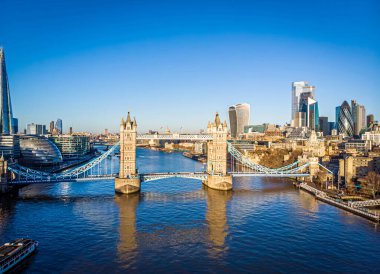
(176, 225)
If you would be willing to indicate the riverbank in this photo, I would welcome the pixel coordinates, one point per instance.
(322, 196)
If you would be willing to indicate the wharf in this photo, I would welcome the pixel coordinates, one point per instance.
(322, 196)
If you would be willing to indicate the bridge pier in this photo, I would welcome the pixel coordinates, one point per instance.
(217, 156)
(129, 180)
(219, 182)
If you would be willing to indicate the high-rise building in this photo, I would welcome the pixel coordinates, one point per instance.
(358, 117)
(370, 120)
(71, 131)
(298, 115)
(239, 118)
(345, 123)
(6, 116)
(15, 126)
(324, 125)
(35, 129)
(337, 112)
(51, 127)
(58, 126)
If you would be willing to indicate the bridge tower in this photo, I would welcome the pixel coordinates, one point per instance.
(129, 179)
(217, 156)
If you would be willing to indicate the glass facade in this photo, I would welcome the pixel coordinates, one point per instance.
(72, 146)
(38, 151)
(298, 89)
(6, 116)
(10, 146)
(58, 126)
(345, 123)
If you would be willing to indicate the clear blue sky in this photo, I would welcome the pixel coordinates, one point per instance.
(175, 63)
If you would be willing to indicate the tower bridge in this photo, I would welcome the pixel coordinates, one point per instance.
(128, 179)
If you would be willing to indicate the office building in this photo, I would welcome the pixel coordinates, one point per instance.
(300, 91)
(51, 127)
(38, 151)
(370, 120)
(6, 116)
(358, 117)
(345, 123)
(15, 125)
(10, 146)
(72, 146)
(58, 126)
(71, 131)
(324, 125)
(239, 118)
(35, 129)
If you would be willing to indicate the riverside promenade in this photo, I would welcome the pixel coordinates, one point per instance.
(322, 196)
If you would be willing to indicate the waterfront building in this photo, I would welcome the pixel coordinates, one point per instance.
(370, 120)
(239, 118)
(345, 123)
(6, 116)
(9, 146)
(58, 126)
(358, 117)
(38, 151)
(35, 129)
(51, 127)
(72, 146)
(298, 116)
(324, 125)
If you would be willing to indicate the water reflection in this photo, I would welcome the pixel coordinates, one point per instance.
(216, 218)
(127, 245)
(7, 205)
(308, 202)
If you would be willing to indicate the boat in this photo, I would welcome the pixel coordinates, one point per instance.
(13, 253)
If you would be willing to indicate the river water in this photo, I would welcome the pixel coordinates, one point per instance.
(177, 225)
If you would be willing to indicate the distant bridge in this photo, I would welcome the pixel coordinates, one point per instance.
(175, 136)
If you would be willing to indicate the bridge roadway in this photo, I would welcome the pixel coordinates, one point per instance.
(175, 136)
(143, 177)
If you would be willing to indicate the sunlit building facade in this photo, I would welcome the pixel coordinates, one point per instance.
(72, 146)
(239, 118)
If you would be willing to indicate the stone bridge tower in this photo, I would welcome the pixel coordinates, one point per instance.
(217, 156)
(129, 179)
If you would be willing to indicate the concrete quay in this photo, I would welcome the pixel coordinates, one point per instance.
(322, 196)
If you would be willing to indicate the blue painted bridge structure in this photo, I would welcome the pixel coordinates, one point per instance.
(97, 169)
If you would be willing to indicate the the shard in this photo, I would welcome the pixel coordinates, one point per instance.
(6, 117)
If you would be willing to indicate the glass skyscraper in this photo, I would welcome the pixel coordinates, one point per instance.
(6, 116)
(301, 91)
(58, 126)
(239, 118)
(345, 123)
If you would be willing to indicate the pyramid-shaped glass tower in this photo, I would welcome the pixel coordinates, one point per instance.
(6, 116)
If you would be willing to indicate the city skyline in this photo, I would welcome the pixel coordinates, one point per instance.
(146, 64)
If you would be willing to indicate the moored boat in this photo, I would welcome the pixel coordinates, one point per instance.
(13, 253)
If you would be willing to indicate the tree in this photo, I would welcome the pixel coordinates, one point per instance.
(373, 182)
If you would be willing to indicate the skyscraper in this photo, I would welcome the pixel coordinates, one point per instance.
(6, 116)
(300, 92)
(51, 127)
(370, 120)
(239, 117)
(345, 123)
(58, 126)
(358, 117)
(324, 125)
